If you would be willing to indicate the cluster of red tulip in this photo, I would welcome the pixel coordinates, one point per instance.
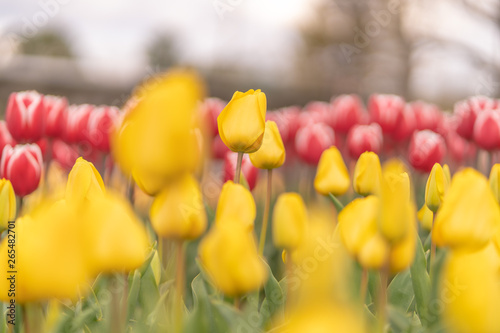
(39, 126)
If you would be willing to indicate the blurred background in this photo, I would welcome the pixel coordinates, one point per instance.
(96, 51)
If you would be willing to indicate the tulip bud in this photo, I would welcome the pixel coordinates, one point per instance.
(25, 116)
(77, 123)
(22, 165)
(367, 174)
(332, 175)
(406, 125)
(427, 116)
(250, 173)
(271, 154)
(469, 215)
(84, 183)
(347, 112)
(55, 115)
(178, 211)
(426, 149)
(486, 131)
(242, 122)
(229, 256)
(437, 185)
(289, 221)
(7, 203)
(236, 204)
(387, 111)
(312, 140)
(467, 111)
(101, 123)
(282, 122)
(5, 137)
(471, 281)
(495, 181)
(363, 138)
(425, 216)
(358, 225)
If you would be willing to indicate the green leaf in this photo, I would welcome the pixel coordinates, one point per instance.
(133, 294)
(399, 320)
(400, 292)
(275, 299)
(421, 283)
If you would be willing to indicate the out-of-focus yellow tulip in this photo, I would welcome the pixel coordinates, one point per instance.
(114, 239)
(332, 175)
(402, 253)
(242, 122)
(236, 205)
(178, 211)
(7, 203)
(229, 255)
(374, 253)
(289, 221)
(470, 291)
(358, 223)
(322, 317)
(271, 153)
(396, 215)
(367, 174)
(84, 183)
(425, 216)
(437, 185)
(495, 181)
(469, 215)
(156, 141)
(447, 173)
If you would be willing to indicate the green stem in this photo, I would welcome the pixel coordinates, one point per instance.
(179, 284)
(364, 285)
(338, 205)
(238, 168)
(124, 314)
(265, 218)
(382, 301)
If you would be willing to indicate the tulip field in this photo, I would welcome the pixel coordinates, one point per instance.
(180, 212)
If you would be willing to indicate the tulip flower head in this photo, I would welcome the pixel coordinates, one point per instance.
(55, 116)
(84, 183)
(425, 216)
(426, 149)
(22, 165)
(437, 185)
(25, 116)
(242, 122)
(271, 154)
(494, 181)
(5, 136)
(312, 140)
(289, 221)
(7, 203)
(332, 175)
(347, 112)
(367, 174)
(178, 212)
(363, 138)
(236, 205)
(387, 111)
(101, 123)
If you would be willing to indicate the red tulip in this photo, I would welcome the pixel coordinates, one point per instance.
(427, 116)
(55, 115)
(26, 116)
(247, 169)
(387, 111)
(315, 112)
(486, 131)
(22, 165)
(347, 111)
(101, 122)
(64, 154)
(363, 138)
(292, 116)
(5, 136)
(77, 123)
(281, 121)
(210, 110)
(426, 149)
(458, 147)
(406, 125)
(312, 140)
(466, 112)
(219, 149)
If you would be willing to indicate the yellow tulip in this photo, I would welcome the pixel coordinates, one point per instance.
(178, 211)
(495, 181)
(367, 174)
(156, 141)
(242, 122)
(236, 205)
(396, 215)
(425, 216)
(437, 185)
(271, 154)
(469, 215)
(447, 173)
(114, 239)
(332, 175)
(402, 253)
(7, 203)
(289, 221)
(358, 223)
(470, 291)
(84, 183)
(374, 253)
(229, 255)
